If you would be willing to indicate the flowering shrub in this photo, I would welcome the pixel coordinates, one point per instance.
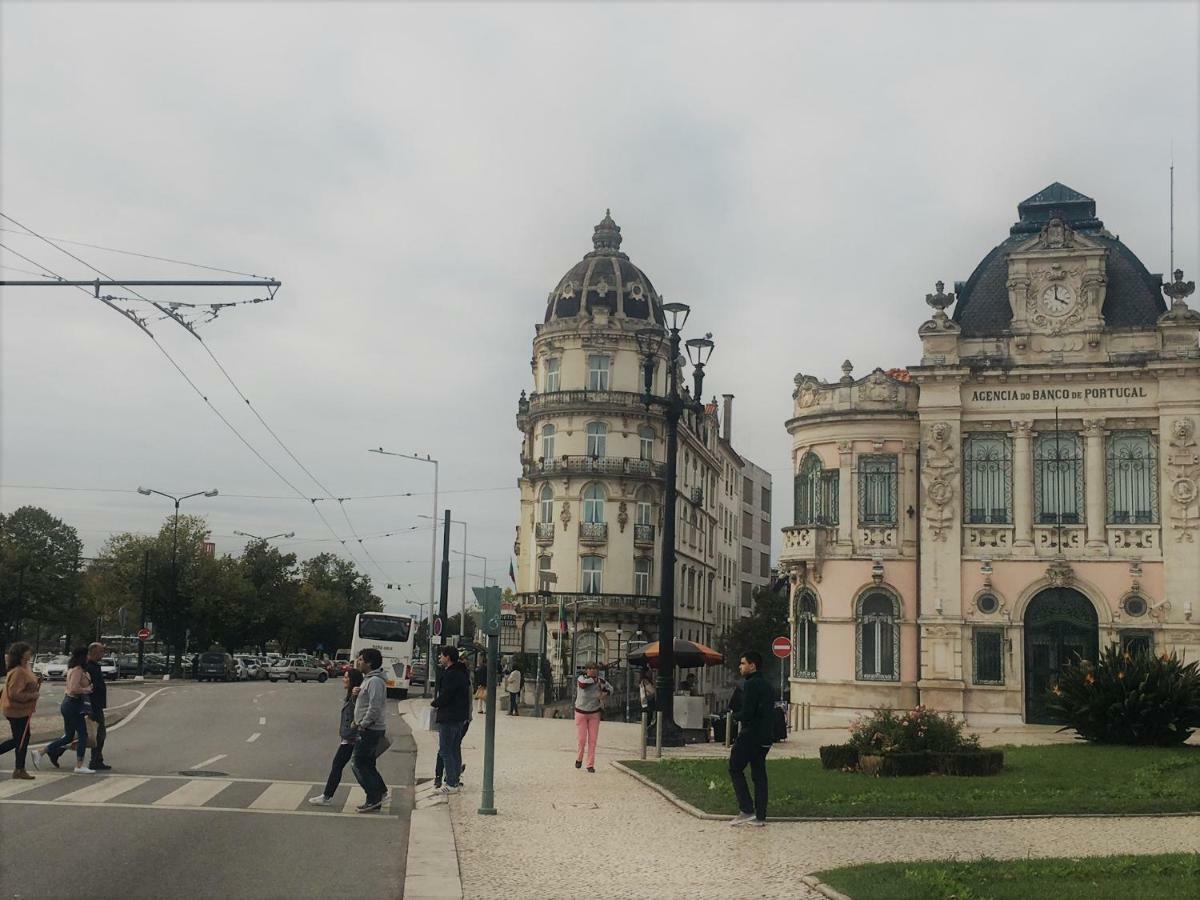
(1129, 698)
(919, 730)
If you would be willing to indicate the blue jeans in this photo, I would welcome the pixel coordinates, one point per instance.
(362, 763)
(74, 729)
(450, 735)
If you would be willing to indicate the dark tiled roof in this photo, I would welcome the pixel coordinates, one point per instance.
(1133, 298)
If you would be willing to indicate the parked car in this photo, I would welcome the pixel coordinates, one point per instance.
(250, 669)
(418, 673)
(39, 663)
(342, 662)
(56, 669)
(127, 664)
(297, 668)
(109, 668)
(156, 663)
(215, 666)
(329, 667)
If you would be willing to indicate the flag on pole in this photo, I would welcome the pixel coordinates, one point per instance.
(512, 576)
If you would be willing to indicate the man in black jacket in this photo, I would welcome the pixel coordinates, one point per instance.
(453, 705)
(99, 699)
(753, 742)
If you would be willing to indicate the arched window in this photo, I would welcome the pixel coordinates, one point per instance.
(641, 576)
(593, 574)
(543, 570)
(804, 649)
(589, 648)
(593, 504)
(597, 439)
(878, 638)
(548, 442)
(644, 511)
(646, 442)
(546, 505)
(816, 493)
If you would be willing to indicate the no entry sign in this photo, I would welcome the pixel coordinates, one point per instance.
(781, 647)
(143, 634)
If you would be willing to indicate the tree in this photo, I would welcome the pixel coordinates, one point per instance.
(39, 570)
(768, 620)
(272, 576)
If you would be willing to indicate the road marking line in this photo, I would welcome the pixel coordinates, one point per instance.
(262, 720)
(282, 796)
(11, 788)
(208, 762)
(137, 709)
(232, 809)
(358, 797)
(194, 793)
(140, 695)
(254, 737)
(110, 787)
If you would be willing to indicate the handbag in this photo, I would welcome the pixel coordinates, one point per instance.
(382, 747)
(429, 720)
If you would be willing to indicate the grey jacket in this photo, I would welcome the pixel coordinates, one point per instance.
(369, 711)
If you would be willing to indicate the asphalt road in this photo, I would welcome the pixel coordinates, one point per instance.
(208, 799)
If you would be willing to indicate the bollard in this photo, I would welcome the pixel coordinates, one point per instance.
(658, 728)
(729, 729)
(645, 728)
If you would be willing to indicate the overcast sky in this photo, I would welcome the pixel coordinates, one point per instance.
(420, 176)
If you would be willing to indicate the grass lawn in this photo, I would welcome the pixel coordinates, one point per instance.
(1168, 875)
(1062, 778)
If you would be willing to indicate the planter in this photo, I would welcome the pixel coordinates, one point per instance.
(904, 764)
(899, 765)
(839, 756)
(969, 762)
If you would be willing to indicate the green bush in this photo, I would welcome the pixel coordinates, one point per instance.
(1129, 698)
(969, 762)
(918, 730)
(900, 764)
(839, 756)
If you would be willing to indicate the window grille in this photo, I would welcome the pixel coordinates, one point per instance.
(878, 639)
(987, 479)
(989, 656)
(1132, 478)
(1058, 479)
(877, 490)
(804, 649)
(1135, 642)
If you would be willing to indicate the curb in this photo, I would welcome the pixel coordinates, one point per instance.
(823, 889)
(719, 817)
(432, 869)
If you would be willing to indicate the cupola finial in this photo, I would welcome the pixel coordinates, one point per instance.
(606, 237)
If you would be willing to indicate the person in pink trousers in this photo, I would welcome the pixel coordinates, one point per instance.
(590, 693)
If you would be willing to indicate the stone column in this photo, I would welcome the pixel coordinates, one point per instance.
(1022, 438)
(845, 492)
(1093, 460)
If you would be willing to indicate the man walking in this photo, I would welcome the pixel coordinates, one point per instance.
(512, 685)
(753, 742)
(370, 725)
(453, 705)
(99, 699)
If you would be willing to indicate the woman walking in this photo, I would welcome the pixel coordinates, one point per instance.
(481, 686)
(351, 680)
(647, 695)
(590, 693)
(17, 703)
(74, 713)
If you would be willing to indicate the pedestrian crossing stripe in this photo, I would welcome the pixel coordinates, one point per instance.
(179, 793)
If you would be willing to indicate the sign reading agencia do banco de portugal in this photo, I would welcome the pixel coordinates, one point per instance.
(1051, 395)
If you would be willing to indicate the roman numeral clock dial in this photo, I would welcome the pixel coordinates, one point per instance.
(1057, 299)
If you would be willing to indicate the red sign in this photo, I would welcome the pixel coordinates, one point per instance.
(781, 647)
(143, 634)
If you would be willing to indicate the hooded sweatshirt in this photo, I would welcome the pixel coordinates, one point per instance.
(588, 693)
(369, 709)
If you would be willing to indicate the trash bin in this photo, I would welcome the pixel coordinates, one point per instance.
(780, 722)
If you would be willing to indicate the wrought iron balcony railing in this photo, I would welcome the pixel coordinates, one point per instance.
(594, 465)
(643, 534)
(544, 532)
(590, 603)
(593, 532)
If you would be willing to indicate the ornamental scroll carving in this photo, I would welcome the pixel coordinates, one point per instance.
(941, 468)
(878, 388)
(1183, 467)
(565, 515)
(622, 515)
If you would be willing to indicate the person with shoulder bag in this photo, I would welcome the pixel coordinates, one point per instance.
(74, 711)
(18, 700)
(351, 680)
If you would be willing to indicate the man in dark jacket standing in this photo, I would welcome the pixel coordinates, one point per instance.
(453, 705)
(99, 699)
(753, 742)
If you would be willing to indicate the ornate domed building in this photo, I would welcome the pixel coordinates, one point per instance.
(592, 474)
(1025, 495)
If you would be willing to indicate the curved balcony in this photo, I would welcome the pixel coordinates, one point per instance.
(577, 401)
(593, 532)
(544, 532)
(623, 466)
(803, 543)
(531, 603)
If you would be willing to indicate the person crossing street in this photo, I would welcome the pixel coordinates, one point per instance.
(99, 700)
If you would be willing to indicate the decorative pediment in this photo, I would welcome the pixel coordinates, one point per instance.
(1058, 235)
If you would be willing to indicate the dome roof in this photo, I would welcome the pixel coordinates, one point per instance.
(605, 279)
(1133, 298)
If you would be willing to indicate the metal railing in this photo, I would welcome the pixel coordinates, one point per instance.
(593, 532)
(643, 534)
(594, 465)
(532, 602)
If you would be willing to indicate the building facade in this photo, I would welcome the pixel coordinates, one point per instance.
(755, 563)
(592, 476)
(1025, 495)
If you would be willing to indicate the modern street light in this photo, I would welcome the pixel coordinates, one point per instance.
(462, 616)
(674, 405)
(177, 669)
(464, 555)
(269, 537)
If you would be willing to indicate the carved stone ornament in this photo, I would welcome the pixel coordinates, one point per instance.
(622, 516)
(1159, 610)
(1183, 469)
(1179, 290)
(1056, 235)
(565, 515)
(878, 388)
(939, 301)
(1049, 276)
(1059, 573)
(807, 393)
(940, 466)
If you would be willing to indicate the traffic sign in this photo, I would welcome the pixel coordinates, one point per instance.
(143, 634)
(437, 626)
(781, 647)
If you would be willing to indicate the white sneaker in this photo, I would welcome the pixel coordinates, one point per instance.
(37, 759)
(451, 788)
(741, 819)
(321, 800)
(84, 770)
(387, 795)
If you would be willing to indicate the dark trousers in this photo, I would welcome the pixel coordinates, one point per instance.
(450, 735)
(340, 759)
(362, 762)
(513, 700)
(439, 765)
(19, 741)
(74, 729)
(101, 730)
(742, 754)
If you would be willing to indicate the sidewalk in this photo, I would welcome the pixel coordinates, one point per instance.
(561, 832)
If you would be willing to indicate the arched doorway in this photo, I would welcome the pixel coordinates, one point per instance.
(1060, 627)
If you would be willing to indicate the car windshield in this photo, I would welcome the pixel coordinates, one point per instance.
(60, 660)
(393, 629)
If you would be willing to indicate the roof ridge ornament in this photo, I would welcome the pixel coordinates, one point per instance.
(606, 237)
(1179, 290)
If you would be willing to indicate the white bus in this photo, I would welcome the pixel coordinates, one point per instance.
(393, 637)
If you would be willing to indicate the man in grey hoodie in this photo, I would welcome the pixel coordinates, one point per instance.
(370, 724)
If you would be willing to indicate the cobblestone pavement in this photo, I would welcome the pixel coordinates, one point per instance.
(562, 832)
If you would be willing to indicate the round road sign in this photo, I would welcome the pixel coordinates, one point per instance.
(143, 634)
(437, 626)
(781, 647)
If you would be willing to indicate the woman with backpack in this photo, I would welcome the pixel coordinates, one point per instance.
(352, 680)
(18, 699)
(74, 709)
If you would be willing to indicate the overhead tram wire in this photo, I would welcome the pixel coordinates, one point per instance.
(128, 314)
(54, 487)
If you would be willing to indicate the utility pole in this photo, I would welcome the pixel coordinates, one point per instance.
(443, 600)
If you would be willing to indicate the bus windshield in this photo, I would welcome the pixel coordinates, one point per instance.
(392, 629)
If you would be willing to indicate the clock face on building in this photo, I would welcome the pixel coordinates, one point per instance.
(1057, 299)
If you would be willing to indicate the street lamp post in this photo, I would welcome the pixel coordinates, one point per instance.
(465, 554)
(269, 537)
(674, 405)
(462, 619)
(177, 669)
